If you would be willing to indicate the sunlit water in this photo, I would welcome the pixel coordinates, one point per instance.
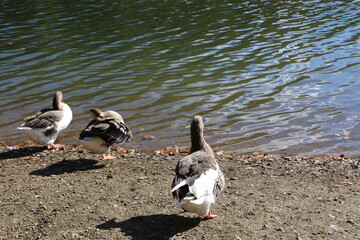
(274, 76)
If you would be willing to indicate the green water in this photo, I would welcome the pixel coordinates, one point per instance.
(266, 75)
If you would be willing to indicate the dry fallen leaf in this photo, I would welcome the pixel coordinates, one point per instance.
(149, 137)
(348, 183)
(143, 178)
(229, 156)
(221, 152)
(184, 151)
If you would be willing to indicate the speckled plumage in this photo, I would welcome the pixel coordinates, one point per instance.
(103, 131)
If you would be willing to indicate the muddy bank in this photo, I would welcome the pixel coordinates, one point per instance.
(72, 194)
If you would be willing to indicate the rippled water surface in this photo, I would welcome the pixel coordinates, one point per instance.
(275, 76)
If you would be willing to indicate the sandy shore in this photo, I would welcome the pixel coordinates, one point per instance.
(72, 194)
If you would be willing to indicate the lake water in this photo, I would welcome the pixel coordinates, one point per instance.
(274, 76)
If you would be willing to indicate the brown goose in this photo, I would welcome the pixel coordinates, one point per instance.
(105, 130)
(44, 126)
(198, 178)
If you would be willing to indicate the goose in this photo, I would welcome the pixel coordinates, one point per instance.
(198, 178)
(45, 126)
(103, 131)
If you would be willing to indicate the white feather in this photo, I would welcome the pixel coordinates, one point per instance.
(204, 185)
(94, 144)
(203, 193)
(179, 185)
(200, 209)
(66, 119)
(38, 135)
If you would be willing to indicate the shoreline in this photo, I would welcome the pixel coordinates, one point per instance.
(16, 149)
(147, 143)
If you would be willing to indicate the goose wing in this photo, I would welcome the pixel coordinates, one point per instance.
(196, 176)
(43, 119)
(109, 129)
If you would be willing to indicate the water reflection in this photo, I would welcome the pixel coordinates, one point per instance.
(266, 75)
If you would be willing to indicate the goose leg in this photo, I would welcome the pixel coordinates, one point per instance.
(108, 157)
(209, 216)
(55, 146)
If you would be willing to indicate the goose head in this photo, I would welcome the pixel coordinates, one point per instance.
(57, 101)
(97, 113)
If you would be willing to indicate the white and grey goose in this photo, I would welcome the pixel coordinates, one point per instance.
(198, 178)
(103, 131)
(44, 126)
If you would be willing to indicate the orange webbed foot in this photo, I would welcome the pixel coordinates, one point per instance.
(209, 216)
(108, 157)
(55, 146)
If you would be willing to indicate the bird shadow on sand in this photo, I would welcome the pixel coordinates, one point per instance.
(68, 166)
(159, 226)
(21, 152)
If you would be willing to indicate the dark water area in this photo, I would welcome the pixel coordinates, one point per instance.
(274, 76)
